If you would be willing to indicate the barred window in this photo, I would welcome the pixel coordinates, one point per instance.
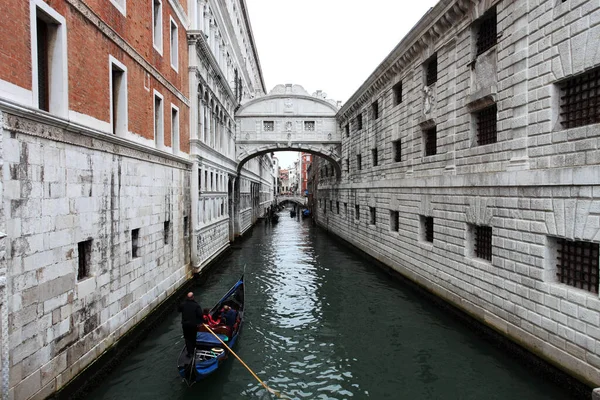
(397, 89)
(577, 264)
(482, 239)
(375, 109)
(372, 213)
(268, 126)
(374, 156)
(487, 125)
(394, 218)
(309, 126)
(580, 100)
(430, 141)
(431, 71)
(427, 228)
(359, 122)
(487, 36)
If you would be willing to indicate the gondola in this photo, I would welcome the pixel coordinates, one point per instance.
(274, 218)
(210, 353)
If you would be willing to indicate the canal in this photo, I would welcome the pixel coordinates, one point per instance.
(323, 323)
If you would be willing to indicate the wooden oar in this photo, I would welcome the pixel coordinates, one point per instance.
(276, 393)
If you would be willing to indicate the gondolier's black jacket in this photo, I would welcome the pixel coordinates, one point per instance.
(191, 312)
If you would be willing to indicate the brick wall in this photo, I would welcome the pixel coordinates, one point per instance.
(538, 182)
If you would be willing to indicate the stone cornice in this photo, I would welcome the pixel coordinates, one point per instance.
(103, 27)
(131, 149)
(430, 27)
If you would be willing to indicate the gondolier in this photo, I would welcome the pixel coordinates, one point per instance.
(191, 317)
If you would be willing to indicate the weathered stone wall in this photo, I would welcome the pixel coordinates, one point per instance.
(538, 183)
(62, 188)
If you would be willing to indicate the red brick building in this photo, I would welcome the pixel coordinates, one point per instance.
(306, 161)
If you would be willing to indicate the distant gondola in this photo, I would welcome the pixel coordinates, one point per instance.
(274, 218)
(210, 353)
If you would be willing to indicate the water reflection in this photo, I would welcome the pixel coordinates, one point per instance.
(324, 324)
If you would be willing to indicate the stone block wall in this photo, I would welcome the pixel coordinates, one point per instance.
(63, 188)
(536, 184)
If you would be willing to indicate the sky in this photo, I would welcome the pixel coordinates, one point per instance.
(329, 45)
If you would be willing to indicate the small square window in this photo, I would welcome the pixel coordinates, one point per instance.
(268, 126)
(397, 89)
(166, 231)
(357, 211)
(84, 254)
(359, 162)
(347, 130)
(359, 122)
(394, 220)
(487, 36)
(431, 70)
(397, 150)
(580, 100)
(430, 141)
(427, 228)
(135, 237)
(372, 214)
(374, 157)
(577, 264)
(309, 126)
(375, 109)
(487, 125)
(482, 242)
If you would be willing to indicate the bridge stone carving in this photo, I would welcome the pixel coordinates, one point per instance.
(288, 118)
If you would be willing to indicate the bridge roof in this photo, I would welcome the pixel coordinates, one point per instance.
(289, 101)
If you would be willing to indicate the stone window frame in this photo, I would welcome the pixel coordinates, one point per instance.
(394, 221)
(427, 228)
(159, 125)
(375, 110)
(175, 129)
(359, 122)
(375, 156)
(430, 77)
(372, 216)
(167, 234)
(347, 128)
(157, 17)
(359, 162)
(307, 126)
(58, 88)
(357, 212)
(84, 259)
(122, 116)
(135, 243)
(552, 258)
(490, 16)
(173, 44)
(478, 119)
(268, 123)
(560, 97)
(473, 230)
(427, 134)
(397, 93)
(397, 150)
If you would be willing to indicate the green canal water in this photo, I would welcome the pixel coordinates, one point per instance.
(323, 323)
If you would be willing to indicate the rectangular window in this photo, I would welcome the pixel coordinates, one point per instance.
(372, 214)
(84, 254)
(577, 264)
(346, 208)
(135, 236)
(159, 138)
(394, 220)
(482, 242)
(186, 227)
(397, 150)
(580, 100)
(359, 122)
(347, 165)
(487, 36)
(175, 129)
(486, 125)
(337, 207)
(374, 157)
(375, 109)
(309, 126)
(431, 70)
(166, 231)
(347, 130)
(356, 211)
(49, 59)
(427, 228)
(330, 205)
(268, 126)
(118, 97)
(430, 141)
(397, 89)
(174, 45)
(358, 162)
(157, 25)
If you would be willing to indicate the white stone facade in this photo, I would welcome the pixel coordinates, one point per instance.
(535, 184)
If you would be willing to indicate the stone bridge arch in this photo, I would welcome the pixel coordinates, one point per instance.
(288, 118)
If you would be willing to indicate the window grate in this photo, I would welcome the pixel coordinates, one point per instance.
(394, 220)
(268, 126)
(483, 242)
(431, 71)
(309, 126)
(430, 136)
(428, 225)
(580, 100)
(487, 126)
(487, 35)
(578, 264)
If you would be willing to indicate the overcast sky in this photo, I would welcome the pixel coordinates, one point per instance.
(331, 45)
